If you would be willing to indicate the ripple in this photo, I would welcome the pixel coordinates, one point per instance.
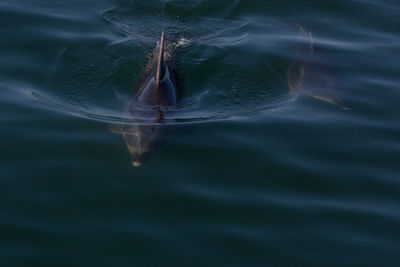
(96, 81)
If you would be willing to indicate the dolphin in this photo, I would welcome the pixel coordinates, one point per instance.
(157, 88)
(306, 76)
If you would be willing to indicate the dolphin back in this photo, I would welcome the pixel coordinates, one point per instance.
(158, 86)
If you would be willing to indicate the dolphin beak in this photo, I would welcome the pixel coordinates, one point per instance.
(136, 163)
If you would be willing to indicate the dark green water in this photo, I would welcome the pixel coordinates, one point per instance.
(251, 172)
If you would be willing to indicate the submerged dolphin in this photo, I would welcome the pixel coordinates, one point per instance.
(156, 89)
(306, 76)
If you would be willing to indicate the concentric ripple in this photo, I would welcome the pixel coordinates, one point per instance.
(97, 80)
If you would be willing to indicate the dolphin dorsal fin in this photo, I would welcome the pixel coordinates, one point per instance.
(308, 35)
(311, 42)
(160, 63)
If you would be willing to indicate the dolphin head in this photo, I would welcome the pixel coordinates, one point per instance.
(142, 141)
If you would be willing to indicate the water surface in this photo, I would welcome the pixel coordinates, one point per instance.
(252, 172)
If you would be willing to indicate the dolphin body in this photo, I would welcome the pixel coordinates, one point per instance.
(157, 88)
(306, 76)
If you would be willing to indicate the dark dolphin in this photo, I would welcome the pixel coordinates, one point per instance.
(156, 90)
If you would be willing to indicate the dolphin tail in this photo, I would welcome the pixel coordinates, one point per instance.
(160, 63)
